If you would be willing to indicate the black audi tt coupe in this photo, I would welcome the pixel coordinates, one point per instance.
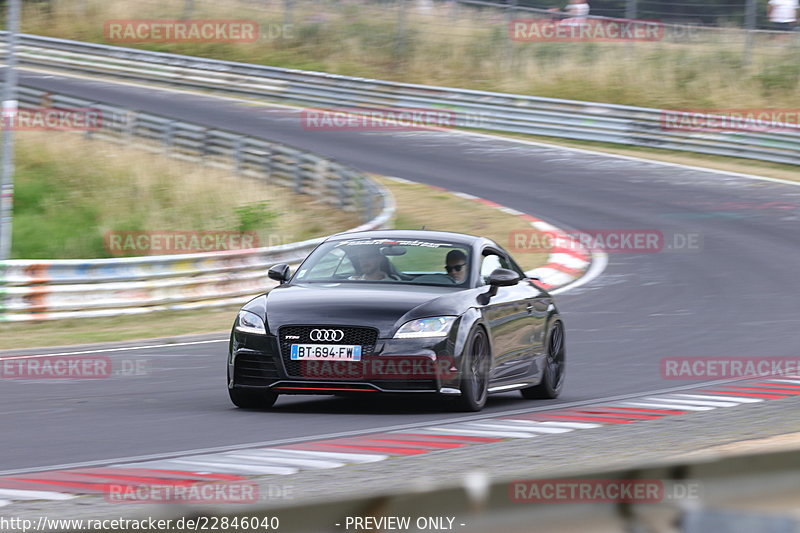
(401, 312)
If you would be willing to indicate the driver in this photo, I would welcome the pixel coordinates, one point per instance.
(372, 262)
(456, 265)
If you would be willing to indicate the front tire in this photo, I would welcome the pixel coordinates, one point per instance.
(252, 399)
(554, 371)
(476, 362)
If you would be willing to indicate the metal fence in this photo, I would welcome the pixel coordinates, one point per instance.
(501, 112)
(742, 493)
(38, 290)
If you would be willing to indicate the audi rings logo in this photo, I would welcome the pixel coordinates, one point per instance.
(329, 335)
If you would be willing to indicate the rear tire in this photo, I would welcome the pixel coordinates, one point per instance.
(252, 399)
(475, 365)
(554, 371)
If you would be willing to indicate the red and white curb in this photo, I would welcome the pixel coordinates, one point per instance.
(568, 261)
(283, 460)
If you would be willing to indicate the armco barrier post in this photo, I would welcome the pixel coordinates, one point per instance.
(341, 182)
(168, 130)
(237, 154)
(130, 125)
(297, 173)
(368, 201)
(204, 149)
(268, 162)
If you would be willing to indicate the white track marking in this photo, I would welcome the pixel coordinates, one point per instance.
(189, 466)
(668, 406)
(575, 425)
(401, 180)
(545, 226)
(463, 195)
(568, 260)
(14, 494)
(551, 276)
(346, 457)
(269, 458)
(731, 398)
(469, 432)
(217, 464)
(531, 427)
(702, 403)
(599, 263)
(107, 350)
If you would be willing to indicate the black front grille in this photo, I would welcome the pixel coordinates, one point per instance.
(365, 337)
(254, 369)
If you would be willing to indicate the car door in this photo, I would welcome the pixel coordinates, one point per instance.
(538, 304)
(512, 317)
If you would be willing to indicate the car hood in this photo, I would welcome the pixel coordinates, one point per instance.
(350, 304)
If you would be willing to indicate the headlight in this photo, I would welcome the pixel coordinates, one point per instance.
(437, 326)
(248, 322)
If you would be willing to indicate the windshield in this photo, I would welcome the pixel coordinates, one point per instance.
(387, 261)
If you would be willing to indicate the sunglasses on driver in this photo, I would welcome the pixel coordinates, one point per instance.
(455, 268)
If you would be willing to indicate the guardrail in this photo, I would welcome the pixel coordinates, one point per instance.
(501, 112)
(743, 493)
(38, 290)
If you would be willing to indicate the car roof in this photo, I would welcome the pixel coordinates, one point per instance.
(458, 238)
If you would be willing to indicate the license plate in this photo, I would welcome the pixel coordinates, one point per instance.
(326, 352)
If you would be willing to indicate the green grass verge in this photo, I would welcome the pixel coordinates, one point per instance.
(70, 193)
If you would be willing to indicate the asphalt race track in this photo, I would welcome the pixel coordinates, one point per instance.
(735, 296)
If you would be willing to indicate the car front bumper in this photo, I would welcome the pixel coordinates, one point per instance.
(394, 366)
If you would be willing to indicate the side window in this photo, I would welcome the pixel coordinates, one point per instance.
(490, 263)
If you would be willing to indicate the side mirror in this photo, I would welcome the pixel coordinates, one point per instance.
(502, 277)
(279, 273)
